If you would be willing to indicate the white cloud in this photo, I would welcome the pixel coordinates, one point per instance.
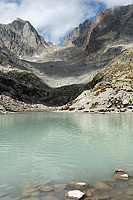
(53, 18)
(113, 3)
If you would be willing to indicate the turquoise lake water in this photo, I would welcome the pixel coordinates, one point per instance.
(63, 148)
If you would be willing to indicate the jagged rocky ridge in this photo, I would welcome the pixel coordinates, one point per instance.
(89, 48)
(109, 26)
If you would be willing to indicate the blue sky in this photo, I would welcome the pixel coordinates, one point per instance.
(54, 19)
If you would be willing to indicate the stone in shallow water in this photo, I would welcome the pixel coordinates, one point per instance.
(74, 194)
(59, 187)
(35, 194)
(102, 186)
(79, 185)
(124, 175)
(119, 170)
(46, 188)
(28, 191)
(120, 174)
(88, 193)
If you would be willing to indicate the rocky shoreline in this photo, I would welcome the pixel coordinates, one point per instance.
(115, 104)
(119, 187)
(109, 101)
(9, 105)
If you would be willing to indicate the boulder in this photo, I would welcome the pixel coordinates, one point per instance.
(120, 174)
(74, 194)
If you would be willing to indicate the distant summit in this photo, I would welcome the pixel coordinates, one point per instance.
(21, 38)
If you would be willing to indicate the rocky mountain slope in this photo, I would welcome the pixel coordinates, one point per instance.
(21, 38)
(111, 88)
(95, 59)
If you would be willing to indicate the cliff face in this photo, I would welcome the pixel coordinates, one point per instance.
(78, 35)
(110, 27)
(21, 38)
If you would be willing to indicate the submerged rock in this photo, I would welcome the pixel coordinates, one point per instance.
(102, 186)
(50, 197)
(46, 188)
(59, 187)
(88, 193)
(75, 194)
(28, 191)
(129, 192)
(99, 198)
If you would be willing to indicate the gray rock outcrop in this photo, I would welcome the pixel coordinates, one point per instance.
(78, 36)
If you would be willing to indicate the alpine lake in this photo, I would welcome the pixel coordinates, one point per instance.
(51, 150)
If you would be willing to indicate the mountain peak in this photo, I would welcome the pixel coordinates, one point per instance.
(19, 19)
(21, 38)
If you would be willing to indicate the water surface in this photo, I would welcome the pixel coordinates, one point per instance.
(62, 147)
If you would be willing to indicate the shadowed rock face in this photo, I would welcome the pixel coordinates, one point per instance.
(21, 38)
(78, 35)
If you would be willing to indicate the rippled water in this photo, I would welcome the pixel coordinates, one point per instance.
(62, 147)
